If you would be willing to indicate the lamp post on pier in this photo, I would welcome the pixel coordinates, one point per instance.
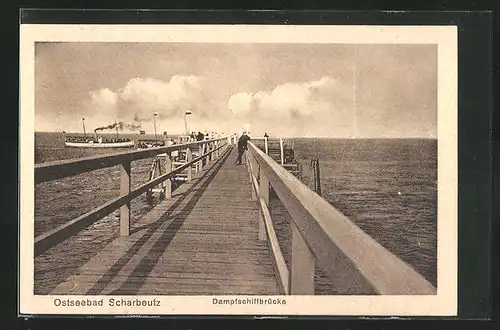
(187, 113)
(154, 122)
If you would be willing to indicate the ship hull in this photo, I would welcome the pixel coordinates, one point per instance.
(128, 144)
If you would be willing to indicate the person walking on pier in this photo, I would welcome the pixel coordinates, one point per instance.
(242, 147)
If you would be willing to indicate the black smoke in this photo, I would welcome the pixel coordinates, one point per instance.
(120, 125)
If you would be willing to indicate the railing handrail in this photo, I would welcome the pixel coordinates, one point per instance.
(58, 169)
(335, 241)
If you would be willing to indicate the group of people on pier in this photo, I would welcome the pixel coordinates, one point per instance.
(199, 136)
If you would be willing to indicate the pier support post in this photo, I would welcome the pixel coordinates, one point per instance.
(316, 176)
(264, 195)
(303, 266)
(124, 191)
(282, 154)
(168, 168)
(189, 158)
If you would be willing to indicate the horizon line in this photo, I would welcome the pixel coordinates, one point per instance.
(284, 136)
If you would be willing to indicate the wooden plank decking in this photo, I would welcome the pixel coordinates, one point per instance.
(202, 241)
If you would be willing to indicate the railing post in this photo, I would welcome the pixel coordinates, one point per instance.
(200, 151)
(189, 158)
(212, 155)
(264, 195)
(251, 171)
(248, 166)
(125, 190)
(194, 165)
(303, 267)
(253, 161)
(209, 156)
(168, 169)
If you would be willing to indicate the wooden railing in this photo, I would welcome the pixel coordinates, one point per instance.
(322, 235)
(268, 142)
(209, 150)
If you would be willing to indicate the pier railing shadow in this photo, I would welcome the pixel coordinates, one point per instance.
(209, 150)
(323, 236)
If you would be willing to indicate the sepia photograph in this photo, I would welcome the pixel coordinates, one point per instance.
(238, 169)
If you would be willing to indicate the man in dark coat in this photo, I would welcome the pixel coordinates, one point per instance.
(242, 146)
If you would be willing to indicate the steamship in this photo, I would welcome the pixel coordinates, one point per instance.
(98, 141)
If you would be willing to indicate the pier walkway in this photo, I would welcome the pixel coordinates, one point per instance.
(214, 234)
(203, 240)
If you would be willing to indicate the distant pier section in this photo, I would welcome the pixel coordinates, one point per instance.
(281, 150)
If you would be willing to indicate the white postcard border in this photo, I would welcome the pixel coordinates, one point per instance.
(444, 303)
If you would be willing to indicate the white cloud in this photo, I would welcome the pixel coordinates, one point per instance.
(289, 108)
(286, 100)
(240, 104)
(144, 96)
(104, 101)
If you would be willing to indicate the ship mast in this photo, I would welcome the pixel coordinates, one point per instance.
(116, 125)
(154, 122)
(84, 132)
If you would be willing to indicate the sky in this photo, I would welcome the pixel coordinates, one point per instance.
(302, 90)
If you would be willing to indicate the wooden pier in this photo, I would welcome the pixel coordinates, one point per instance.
(214, 235)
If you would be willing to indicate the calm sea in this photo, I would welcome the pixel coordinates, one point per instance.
(387, 187)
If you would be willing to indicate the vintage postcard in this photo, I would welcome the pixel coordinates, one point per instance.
(238, 170)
